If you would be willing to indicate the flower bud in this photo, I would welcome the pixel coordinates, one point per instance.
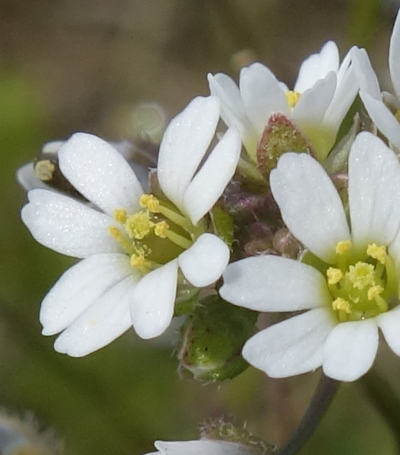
(258, 238)
(212, 339)
(279, 136)
(225, 430)
(286, 244)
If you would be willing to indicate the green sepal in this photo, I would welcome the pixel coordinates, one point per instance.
(212, 339)
(222, 223)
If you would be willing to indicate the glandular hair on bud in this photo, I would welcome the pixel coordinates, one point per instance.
(228, 430)
(212, 338)
(280, 136)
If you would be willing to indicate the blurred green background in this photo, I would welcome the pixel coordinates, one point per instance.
(68, 65)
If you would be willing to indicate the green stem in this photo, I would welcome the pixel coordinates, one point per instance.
(312, 417)
(385, 399)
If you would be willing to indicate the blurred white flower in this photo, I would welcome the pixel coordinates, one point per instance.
(322, 95)
(355, 289)
(131, 243)
(201, 447)
(383, 108)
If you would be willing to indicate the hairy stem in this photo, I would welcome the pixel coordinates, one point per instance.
(319, 404)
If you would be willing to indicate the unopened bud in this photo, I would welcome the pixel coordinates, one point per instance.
(286, 244)
(279, 136)
(258, 239)
(212, 339)
(226, 430)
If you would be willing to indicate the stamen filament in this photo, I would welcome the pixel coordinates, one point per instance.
(178, 239)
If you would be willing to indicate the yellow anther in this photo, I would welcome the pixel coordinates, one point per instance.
(150, 202)
(377, 252)
(292, 97)
(361, 275)
(343, 246)
(340, 304)
(139, 225)
(334, 275)
(44, 169)
(120, 215)
(138, 261)
(374, 291)
(160, 229)
(115, 232)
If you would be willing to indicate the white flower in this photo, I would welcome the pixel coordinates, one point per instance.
(321, 98)
(132, 245)
(355, 290)
(375, 102)
(45, 167)
(201, 447)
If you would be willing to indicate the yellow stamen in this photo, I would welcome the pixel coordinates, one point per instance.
(120, 215)
(160, 229)
(340, 304)
(139, 225)
(139, 262)
(44, 169)
(115, 232)
(120, 238)
(343, 246)
(374, 291)
(361, 275)
(334, 275)
(292, 97)
(150, 202)
(377, 252)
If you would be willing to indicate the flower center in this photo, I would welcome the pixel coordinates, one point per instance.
(153, 235)
(292, 98)
(365, 288)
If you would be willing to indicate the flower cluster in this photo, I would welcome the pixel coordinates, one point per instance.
(260, 205)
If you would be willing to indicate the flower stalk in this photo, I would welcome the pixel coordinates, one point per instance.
(319, 404)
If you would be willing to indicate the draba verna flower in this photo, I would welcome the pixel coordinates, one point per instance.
(132, 243)
(321, 97)
(353, 287)
(383, 108)
(201, 447)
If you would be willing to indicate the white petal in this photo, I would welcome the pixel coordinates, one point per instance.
(27, 178)
(383, 118)
(366, 76)
(313, 103)
(152, 306)
(350, 349)
(102, 322)
(294, 346)
(209, 183)
(261, 94)
(79, 287)
(345, 93)
(310, 205)
(390, 325)
(374, 191)
(394, 54)
(317, 66)
(184, 145)
(202, 447)
(232, 108)
(273, 283)
(100, 173)
(204, 262)
(68, 226)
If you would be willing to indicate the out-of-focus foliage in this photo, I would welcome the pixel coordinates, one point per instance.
(70, 65)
